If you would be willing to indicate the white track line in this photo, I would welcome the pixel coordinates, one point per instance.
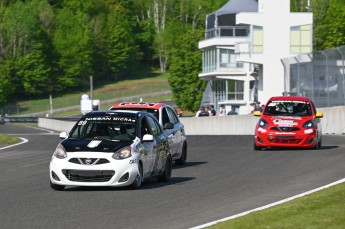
(38, 128)
(269, 205)
(24, 140)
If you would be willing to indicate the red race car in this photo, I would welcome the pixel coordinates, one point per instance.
(288, 121)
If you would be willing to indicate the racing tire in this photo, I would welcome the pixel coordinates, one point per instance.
(318, 144)
(257, 147)
(138, 178)
(182, 160)
(166, 175)
(57, 187)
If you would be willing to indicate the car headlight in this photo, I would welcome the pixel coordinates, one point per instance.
(309, 124)
(263, 123)
(123, 153)
(60, 152)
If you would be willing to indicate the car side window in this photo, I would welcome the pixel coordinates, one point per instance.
(172, 116)
(154, 126)
(144, 127)
(165, 116)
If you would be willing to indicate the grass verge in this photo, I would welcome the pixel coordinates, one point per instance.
(134, 85)
(322, 209)
(8, 140)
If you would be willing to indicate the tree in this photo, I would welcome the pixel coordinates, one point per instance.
(187, 87)
(73, 43)
(117, 48)
(334, 33)
(26, 44)
(7, 81)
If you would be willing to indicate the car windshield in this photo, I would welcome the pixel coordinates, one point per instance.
(288, 108)
(105, 128)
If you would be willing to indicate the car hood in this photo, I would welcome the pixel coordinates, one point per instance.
(106, 146)
(287, 121)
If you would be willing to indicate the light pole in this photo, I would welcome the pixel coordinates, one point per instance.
(91, 91)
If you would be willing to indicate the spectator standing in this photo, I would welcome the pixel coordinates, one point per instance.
(222, 111)
(202, 112)
(233, 111)
(213, 111)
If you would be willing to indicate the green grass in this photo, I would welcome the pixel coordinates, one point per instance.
(144, 83)
(8, 140)
(322, 209)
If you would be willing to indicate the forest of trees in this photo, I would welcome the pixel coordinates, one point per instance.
(53, 46)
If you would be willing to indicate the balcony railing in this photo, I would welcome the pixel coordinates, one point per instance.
(227, 31)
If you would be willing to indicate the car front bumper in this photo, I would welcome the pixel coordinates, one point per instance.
(306, 138)
(73, 171)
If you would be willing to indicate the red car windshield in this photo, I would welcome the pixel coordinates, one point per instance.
(288, 108)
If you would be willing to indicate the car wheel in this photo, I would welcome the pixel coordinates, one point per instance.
(166, 175)
(57, 187)
(182, 160)
(318, 144)
(257, 147)
(139, 178)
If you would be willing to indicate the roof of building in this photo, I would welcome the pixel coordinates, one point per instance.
(237, 6)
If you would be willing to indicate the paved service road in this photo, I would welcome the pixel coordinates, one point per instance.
(224, 176)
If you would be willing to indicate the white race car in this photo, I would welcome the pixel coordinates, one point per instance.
(111, 148)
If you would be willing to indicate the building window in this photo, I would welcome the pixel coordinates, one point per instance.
(215, 59)
(258, 39)
(228, 59)
(300, 39)
(235, 89)
(209, 60)
(224, 90)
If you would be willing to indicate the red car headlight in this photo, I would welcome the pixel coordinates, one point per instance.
(309, 124)
(263, 123)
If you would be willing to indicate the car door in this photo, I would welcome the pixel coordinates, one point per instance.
(147, 149)
(160, 145)
(176, 133)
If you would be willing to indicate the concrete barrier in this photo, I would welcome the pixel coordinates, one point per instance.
(333, 122)
(54, 124)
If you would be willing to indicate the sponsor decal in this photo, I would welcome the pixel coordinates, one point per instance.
(121, 119)
(284, 123)
(288, 117)
(285, 133)
(309, 131)
(134, 161)
(262, 130)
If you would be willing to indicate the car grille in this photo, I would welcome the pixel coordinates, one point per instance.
(285, 140)
(88, 175)
(285, 129)
(89, 161)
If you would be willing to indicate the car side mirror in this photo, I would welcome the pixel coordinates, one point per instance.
(257, 113)
(148, 138)
(319, 115)
(63, 135)
(169, 125)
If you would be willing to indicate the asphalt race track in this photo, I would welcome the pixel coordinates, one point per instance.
(224, 176)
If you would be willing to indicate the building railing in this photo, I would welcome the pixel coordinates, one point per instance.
(227, 31)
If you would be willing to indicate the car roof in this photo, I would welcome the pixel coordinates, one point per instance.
(142, 105)
(296, 98)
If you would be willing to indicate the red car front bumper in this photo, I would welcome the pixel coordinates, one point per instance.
(306, 138)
